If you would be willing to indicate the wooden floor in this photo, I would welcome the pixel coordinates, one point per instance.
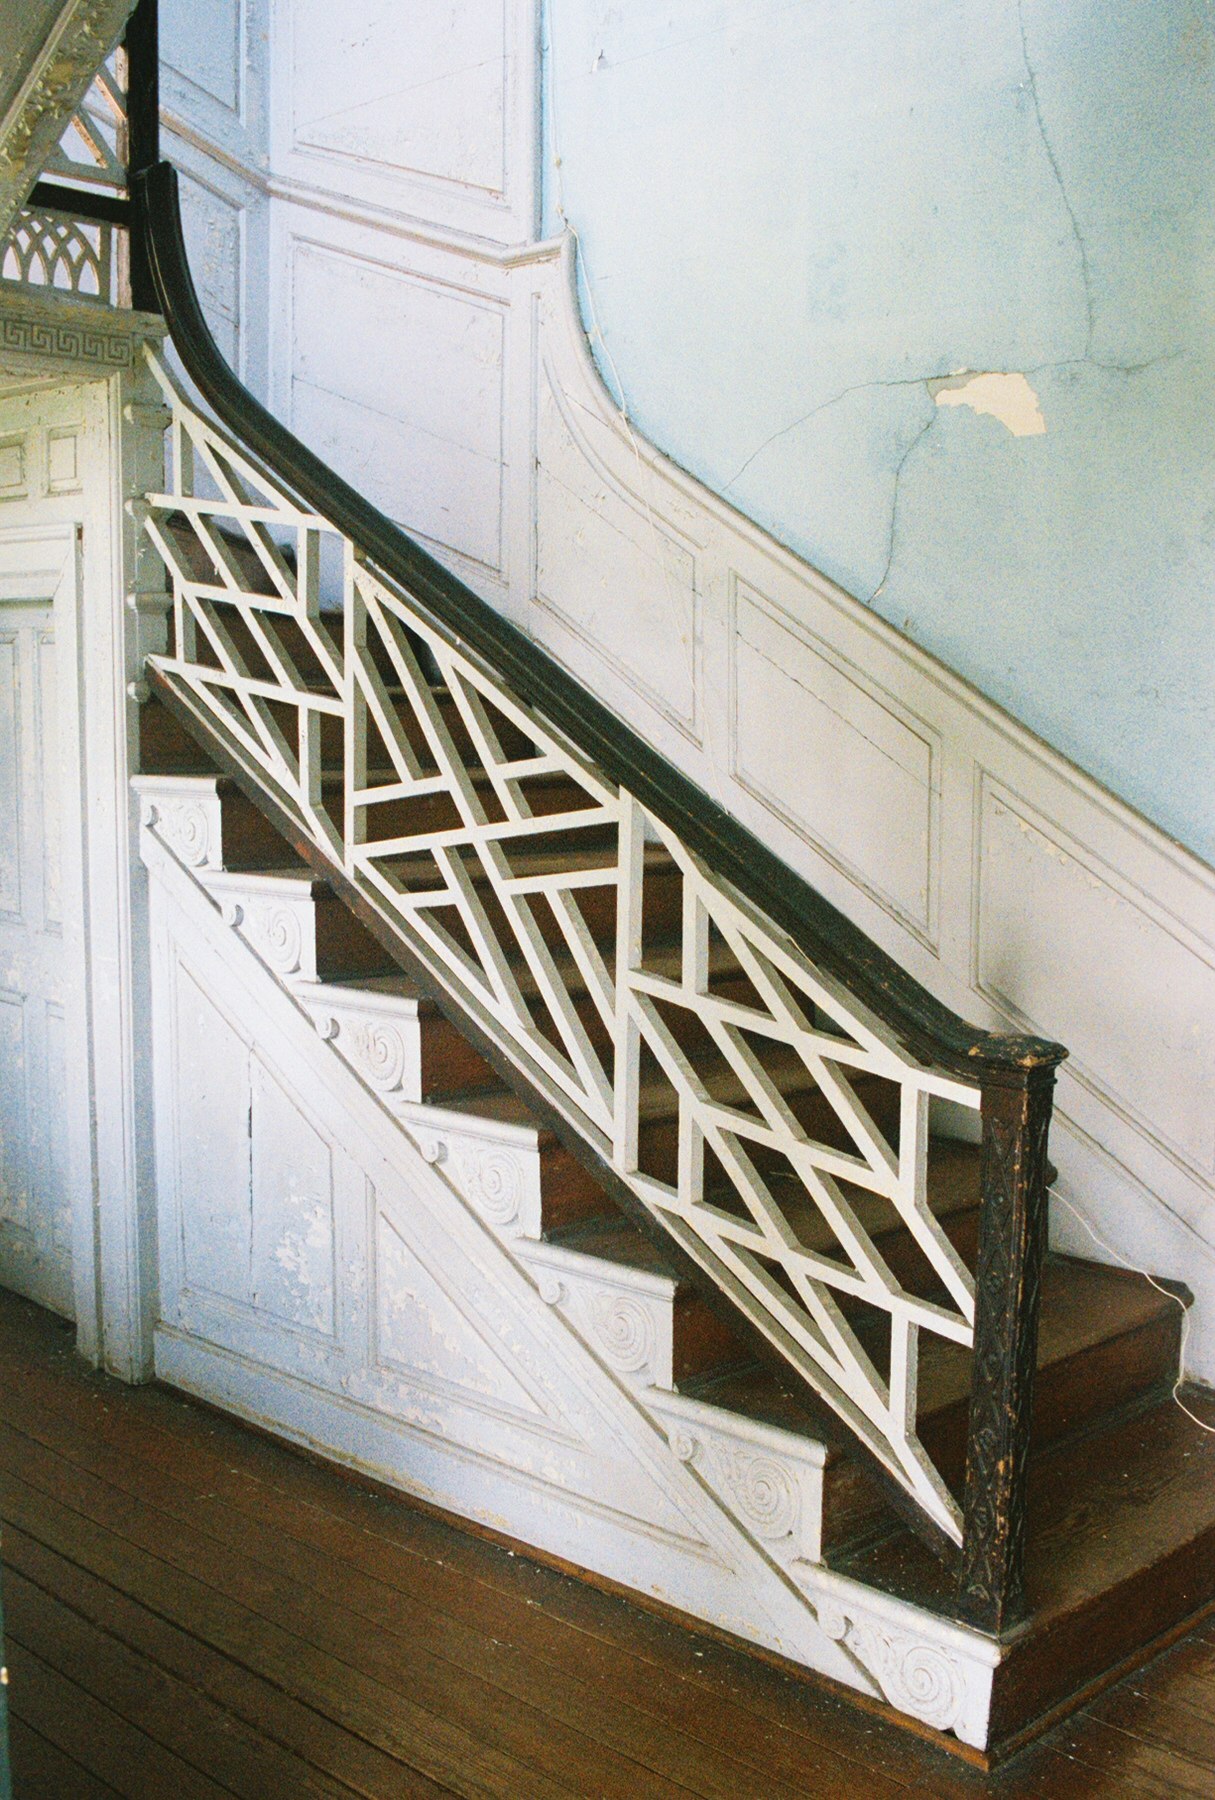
(194, 1611)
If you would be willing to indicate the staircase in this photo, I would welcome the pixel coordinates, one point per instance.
(1122, 1485)
(786, 1201)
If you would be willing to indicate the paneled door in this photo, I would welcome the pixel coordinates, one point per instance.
(35, 1196)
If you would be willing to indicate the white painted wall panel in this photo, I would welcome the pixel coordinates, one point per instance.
(420, 90)
(293, 1273)
(848, 767)
(426, 112)
(213, 1216)
(614, 577)
(1061, 934)
(14, 1116)
(398, 382)
(10, 765)
(213, 228)
(205, 45)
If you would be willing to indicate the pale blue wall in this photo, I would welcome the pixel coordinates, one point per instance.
(796, 212)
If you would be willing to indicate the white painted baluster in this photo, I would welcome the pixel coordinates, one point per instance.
(794, 1245)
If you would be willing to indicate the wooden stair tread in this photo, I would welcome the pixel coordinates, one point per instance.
(1084, 1305)
(497, 1105)
(531, 862)
(615, 1239)
(1120, 1550)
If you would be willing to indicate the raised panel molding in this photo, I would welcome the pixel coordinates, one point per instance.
(419, 432)
(602, 563)
(207, 47)
(1052, 922)
(213, 226)
(418, 93)
(12, 467)
(430, 113)
(843, 763)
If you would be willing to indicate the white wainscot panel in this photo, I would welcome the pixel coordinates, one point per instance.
(423, 1331)
(397, 381)
(846, 766)
(419, 90)
(14, 484)
(10, 776)
(205, 45)
(611, 573)
(1069, 949)
(14, 1115)
(211, 1132)
(293, 1273)
(214, 243)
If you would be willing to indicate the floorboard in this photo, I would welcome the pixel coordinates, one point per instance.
(195, 1610)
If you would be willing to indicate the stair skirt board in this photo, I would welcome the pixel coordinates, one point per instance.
(373, 1296)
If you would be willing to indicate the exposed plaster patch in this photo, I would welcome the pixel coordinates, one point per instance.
(1008, 398)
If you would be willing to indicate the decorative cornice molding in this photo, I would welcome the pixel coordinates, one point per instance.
(68, 331)
(57, 81)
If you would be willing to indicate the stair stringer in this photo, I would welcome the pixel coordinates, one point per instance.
(579, 1451)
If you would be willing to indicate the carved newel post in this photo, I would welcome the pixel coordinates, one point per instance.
(1016, 1109)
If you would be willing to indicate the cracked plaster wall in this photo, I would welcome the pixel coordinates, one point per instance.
(806, 226)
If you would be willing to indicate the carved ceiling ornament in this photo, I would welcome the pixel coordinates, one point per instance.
(68, 59)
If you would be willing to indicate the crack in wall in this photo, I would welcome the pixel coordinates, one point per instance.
(857, 387)
(929, 384)
(1031, 82)
(894, 502)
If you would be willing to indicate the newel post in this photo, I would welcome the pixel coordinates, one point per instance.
(1012, 1242)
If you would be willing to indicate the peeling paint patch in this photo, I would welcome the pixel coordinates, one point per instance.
(1008, 398)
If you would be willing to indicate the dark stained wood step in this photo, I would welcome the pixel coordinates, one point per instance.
(1107, 1341)
(1120, 1553)
(449, 1064)
(345, 949)
(569, 1192)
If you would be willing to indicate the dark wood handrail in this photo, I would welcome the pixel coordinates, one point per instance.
(1016, 1074)
(923, 1025)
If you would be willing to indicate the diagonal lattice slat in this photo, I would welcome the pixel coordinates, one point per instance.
(92, 151)
(771, 1123)
(45, 248)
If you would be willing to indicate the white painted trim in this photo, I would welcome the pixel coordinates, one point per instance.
(118, 445)
(750, 1491)
(41, 563)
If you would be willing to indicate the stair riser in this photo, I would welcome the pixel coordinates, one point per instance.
(344, 950)
(703, 1341)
